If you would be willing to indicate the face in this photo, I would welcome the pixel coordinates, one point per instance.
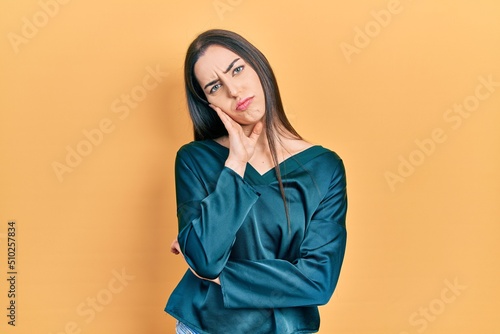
(231, 84)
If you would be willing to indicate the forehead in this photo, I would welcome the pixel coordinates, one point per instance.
(216, 58)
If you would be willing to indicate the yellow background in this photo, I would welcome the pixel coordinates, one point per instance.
(409, 239)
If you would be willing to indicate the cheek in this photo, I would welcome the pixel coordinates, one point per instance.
(219, 100)
(257, 85)
(213, 100)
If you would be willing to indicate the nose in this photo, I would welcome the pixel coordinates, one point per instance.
(233, 89)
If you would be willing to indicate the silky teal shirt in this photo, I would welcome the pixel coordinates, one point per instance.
(273, 272)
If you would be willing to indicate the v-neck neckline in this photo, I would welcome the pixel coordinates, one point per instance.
(286, 166)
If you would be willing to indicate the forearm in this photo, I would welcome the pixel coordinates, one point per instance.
(276, 283)
(210, 226)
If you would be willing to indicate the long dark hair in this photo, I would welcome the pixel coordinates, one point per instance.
(206, 123)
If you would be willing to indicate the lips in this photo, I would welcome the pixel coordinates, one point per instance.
(244, 104)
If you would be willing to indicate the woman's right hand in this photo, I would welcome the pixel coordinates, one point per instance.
(241, 145)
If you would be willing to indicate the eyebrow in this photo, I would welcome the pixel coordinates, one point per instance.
(227, 70)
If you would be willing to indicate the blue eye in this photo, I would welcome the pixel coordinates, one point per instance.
(215, 88)
(238, 69)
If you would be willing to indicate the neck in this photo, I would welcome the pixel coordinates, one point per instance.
(263, 151)
(262, 143)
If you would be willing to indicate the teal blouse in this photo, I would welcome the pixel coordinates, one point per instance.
(273, 273)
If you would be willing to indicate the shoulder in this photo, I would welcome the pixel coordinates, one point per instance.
(325, 156)
(199, 147)
(201, 154)
(314, 151)
(192, 147)
(186, 152)
(326, 165)
(317, 159)
(331, 157)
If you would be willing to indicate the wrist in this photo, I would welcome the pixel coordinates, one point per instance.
(237, 166)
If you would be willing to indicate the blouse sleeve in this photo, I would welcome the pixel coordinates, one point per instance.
(310, 279)
(209, 216)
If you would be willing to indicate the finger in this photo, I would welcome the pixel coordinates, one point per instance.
(256, 131)
(228, 122)
(174, 250)
(175, 247)
(194, 273)
(215, 108)
(222, 115)
(215, 280)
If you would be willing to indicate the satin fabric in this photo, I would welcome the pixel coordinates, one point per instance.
(273, 272)
(181, 328)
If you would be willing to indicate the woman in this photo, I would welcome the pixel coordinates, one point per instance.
(261, 211)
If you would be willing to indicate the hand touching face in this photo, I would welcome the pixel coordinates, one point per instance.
(231, 84)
